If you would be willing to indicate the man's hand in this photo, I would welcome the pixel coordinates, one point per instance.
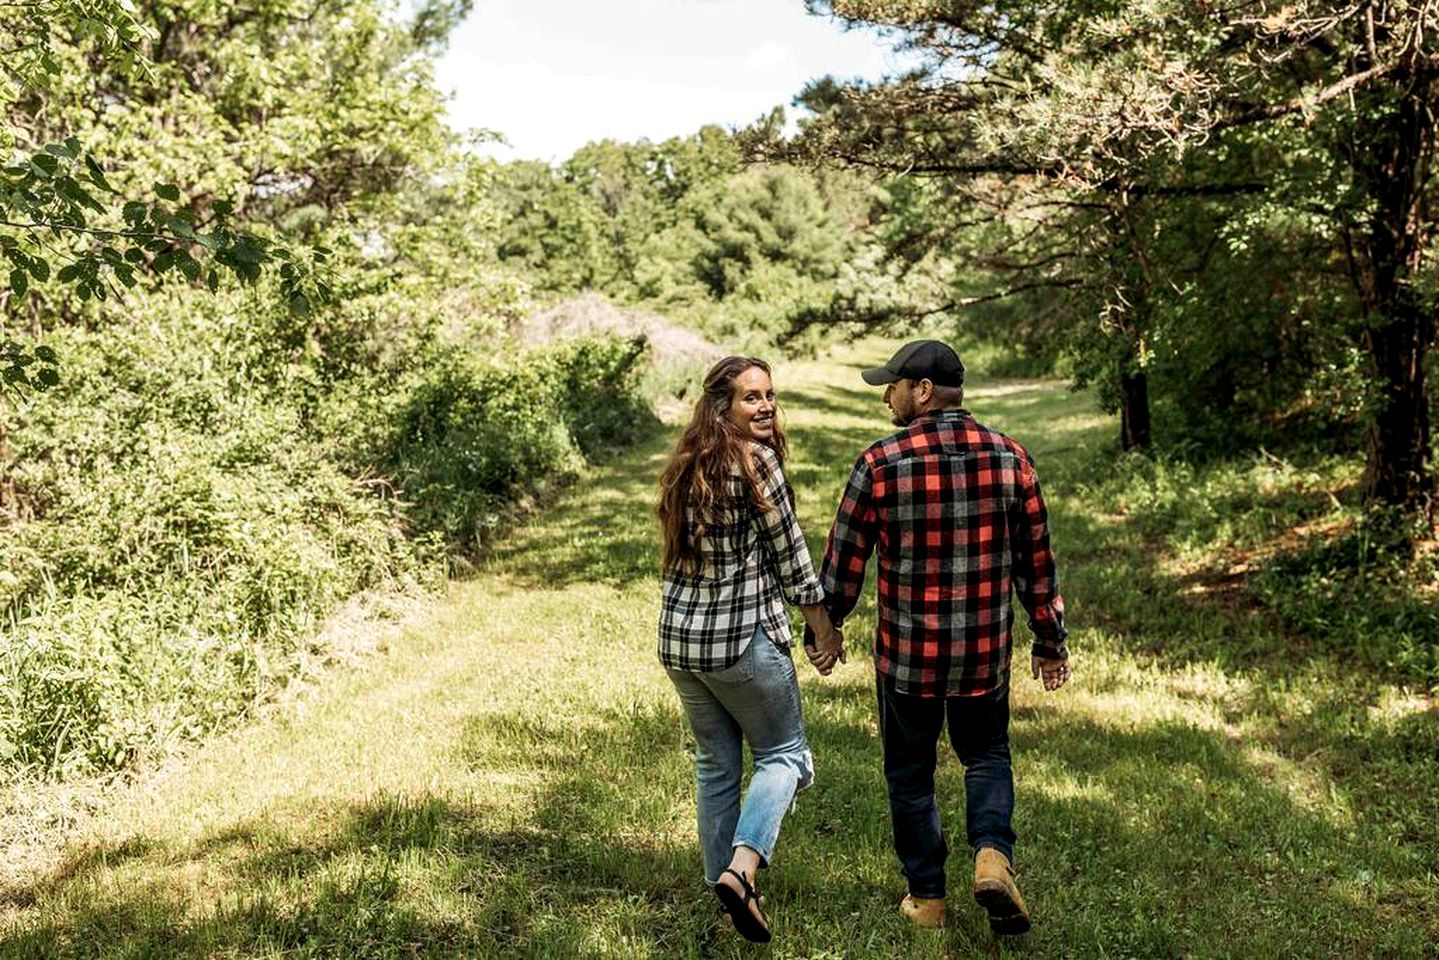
(826, 651)
(1054, 673)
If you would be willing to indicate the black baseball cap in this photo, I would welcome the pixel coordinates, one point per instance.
(920, 360)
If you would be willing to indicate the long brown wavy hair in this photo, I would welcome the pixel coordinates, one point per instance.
(703, 459)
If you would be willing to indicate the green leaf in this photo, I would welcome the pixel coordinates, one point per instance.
(19, 282)
(222, 208)
(167, 191)
(48, 377)
(71, 189)
(39, 269)
(135, 212)
(300, 305)
(97, 175)
(46, 355)
(189, 266)
(163, 261)
(44, 165)
(246, 252)
(213, 280)
(68, 272)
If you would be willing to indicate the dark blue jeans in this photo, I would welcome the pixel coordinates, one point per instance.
(979, 732)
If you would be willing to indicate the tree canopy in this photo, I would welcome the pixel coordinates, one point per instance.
(1140, 172)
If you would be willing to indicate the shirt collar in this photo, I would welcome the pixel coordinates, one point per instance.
(948, 413)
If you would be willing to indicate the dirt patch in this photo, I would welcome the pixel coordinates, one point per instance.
(592, 313)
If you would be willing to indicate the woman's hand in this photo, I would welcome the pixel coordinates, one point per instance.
(823, 642)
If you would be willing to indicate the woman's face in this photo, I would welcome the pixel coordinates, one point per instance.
(752, 404)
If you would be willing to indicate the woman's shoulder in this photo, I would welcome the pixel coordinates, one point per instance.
(762, 453)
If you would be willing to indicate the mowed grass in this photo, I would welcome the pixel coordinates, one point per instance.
(512, 776)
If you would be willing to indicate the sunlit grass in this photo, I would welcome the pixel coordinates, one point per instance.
(512, 775)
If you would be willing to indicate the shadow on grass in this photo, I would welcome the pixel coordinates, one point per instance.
(573, 875)
(1161, 840)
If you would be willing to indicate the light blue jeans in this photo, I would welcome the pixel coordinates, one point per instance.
(755, 699)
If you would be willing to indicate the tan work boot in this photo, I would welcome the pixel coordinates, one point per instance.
(922, 912)
(996, 891)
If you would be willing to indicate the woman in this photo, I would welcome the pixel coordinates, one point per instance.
(733, 553)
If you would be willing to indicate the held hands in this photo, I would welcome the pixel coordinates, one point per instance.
(824, 650)
(1053, 673)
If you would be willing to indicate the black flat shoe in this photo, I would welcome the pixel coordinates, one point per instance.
(749, 923)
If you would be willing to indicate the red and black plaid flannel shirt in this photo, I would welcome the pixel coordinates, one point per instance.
(955, 513)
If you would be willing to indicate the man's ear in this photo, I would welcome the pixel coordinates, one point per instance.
(923, 392)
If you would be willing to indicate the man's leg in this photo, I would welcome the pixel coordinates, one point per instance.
(979, 733)
(909, 729)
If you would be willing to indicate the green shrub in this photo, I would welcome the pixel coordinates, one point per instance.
(600, 394)
(193, 501)
(464, 434)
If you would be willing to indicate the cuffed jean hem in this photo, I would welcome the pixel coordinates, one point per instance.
(784, 773)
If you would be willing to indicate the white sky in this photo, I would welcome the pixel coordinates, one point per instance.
(552, 75)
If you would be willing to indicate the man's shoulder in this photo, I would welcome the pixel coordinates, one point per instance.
(886, 448)
(992, 439)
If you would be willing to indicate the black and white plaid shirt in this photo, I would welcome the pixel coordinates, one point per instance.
(751, 562)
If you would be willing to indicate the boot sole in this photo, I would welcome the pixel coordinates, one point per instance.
(1005, 916)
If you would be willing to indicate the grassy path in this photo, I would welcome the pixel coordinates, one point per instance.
(510, 778)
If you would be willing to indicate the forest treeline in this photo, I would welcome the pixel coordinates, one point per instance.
(263, 338)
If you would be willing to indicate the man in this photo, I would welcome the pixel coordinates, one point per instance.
(954, 511)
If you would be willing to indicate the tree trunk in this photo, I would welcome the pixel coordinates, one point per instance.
(1400, 468)
(1138, 279)
(1399, 330)
(1134, 410)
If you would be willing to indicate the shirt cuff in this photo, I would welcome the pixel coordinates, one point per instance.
(1053, 650)
(808, 596)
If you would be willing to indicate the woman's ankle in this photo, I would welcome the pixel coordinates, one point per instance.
(745, 862)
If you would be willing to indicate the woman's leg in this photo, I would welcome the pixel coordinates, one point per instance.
(767, 709)
(719, 762)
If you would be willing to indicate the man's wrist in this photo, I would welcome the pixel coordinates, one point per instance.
(1056, 651)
